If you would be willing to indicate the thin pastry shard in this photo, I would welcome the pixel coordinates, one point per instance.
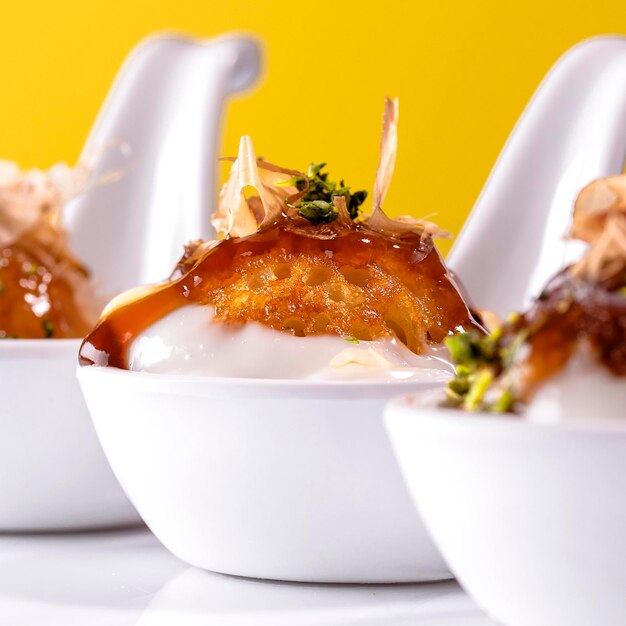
(388, 153)
(600, 219)
(378, 220)
(595, 203)
(237, 216)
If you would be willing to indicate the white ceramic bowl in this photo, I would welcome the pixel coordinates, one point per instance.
(531, 518)
(272, 479)
(53, 473)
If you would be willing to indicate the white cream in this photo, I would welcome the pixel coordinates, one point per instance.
(583, 390)
(188, 341)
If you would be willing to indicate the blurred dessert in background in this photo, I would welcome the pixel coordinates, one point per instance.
(566, 356)
(44, 291)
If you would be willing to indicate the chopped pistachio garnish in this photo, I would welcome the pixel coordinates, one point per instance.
(32, 270)
(479, 384)
(48, 328)
(468, 348)
(479, 361)
(318, 211)
(504, 404)
(317, 203)
(351, 340)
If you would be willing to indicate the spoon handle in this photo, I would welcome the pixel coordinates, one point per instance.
(152, 155)
(572, 131)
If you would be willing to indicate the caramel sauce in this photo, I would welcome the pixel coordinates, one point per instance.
(38, 286)
(347, 280)
(571, 312)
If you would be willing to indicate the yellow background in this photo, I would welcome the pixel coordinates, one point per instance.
(463, 72)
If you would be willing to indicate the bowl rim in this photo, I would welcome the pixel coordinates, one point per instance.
(159, 381)
(407, 406)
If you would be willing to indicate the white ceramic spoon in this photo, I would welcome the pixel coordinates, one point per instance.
(165, 108)
(572, 131)
(529, 516)
(159, 129)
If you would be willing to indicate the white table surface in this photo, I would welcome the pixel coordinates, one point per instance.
(126, 577)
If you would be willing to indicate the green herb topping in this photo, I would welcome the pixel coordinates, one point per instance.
(317, 203)
(32, 269)
(318, 211)
(48, 328)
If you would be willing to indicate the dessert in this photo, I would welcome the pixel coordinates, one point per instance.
(300, 285)
(44, 291)
(566, 356)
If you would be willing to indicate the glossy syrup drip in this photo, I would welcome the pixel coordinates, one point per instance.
(349, 281)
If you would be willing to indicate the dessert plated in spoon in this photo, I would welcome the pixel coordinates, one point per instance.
(518, 471)
(240, 403)
(54, 474)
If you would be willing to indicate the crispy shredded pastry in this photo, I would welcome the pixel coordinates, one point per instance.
(600, 220)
